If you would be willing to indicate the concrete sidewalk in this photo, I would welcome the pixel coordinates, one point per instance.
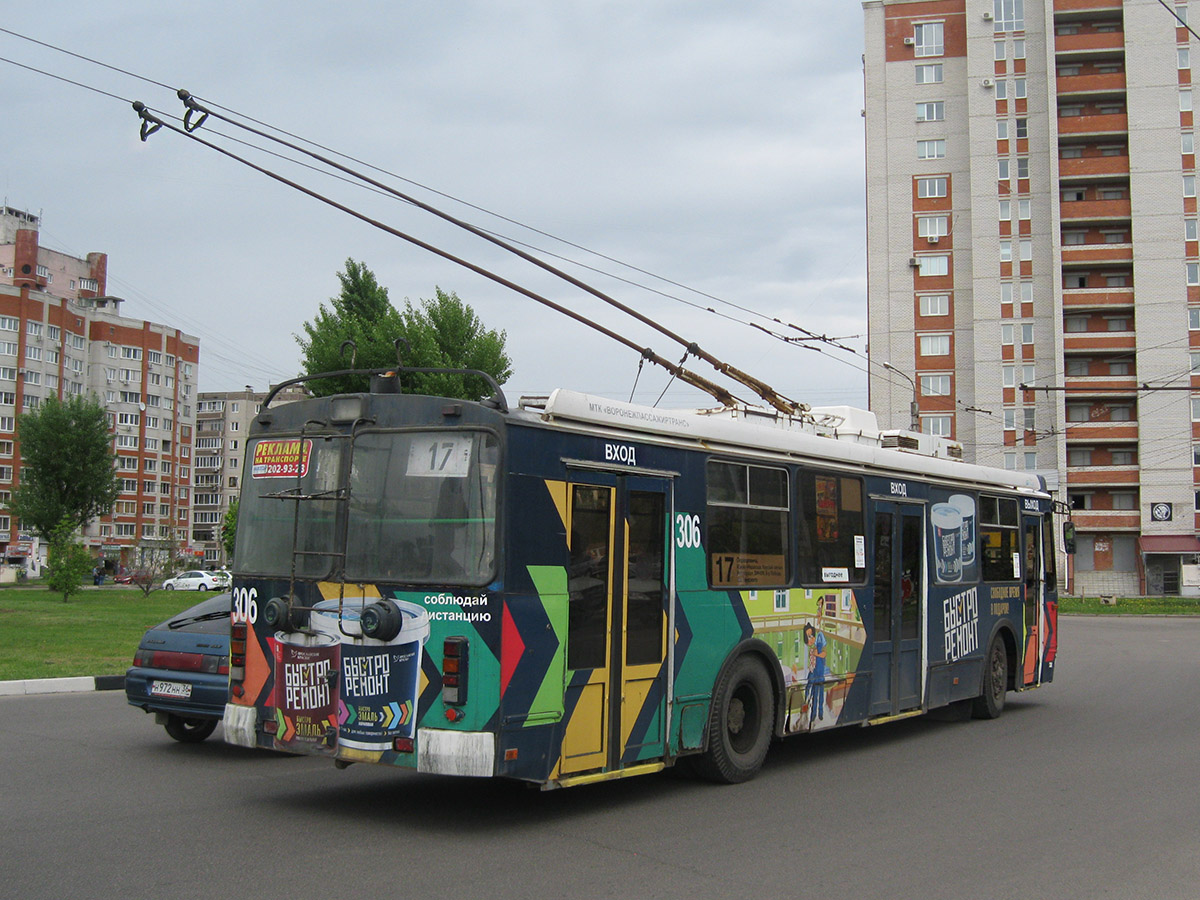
(62, 685)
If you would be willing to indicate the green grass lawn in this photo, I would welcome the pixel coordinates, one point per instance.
(94, 633)
(1127, 606)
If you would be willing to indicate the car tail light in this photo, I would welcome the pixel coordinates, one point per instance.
(455, 665)
(143, 658)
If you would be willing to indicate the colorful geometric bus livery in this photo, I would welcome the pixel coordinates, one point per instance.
(581, 589)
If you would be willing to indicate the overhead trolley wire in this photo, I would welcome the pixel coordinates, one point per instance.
(764, 391)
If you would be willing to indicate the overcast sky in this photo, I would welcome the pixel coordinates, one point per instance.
(715, 144)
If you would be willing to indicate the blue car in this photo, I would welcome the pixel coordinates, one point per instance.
(181, 670)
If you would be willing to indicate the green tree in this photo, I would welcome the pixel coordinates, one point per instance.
(67, 465)
(69, 561)
(229, 529)
(440, 333)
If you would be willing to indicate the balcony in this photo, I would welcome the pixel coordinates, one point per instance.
(1106, 520)
(1101, 432)
(1080, 386)
(1097, 254)
(1090, 43)
(1095, 210)
(1099, 341)
(1107, 83)
(1093, 167)
(1099, 125)
(1097, 298)
(1068, 6)
(1100, 476)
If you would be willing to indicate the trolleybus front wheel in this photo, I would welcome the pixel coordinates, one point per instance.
(740, 723)
(990, 703)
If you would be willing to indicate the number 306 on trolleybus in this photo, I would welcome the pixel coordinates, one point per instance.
(580, 589)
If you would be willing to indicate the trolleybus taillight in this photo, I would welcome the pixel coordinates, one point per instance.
(455, 663)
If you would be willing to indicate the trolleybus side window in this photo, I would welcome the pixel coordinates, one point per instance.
(1048, 554)
(588, 577)
(831, 537)
(747, 525)
(422, 507)
(998, 520)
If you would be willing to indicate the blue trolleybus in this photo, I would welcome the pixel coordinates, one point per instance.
(580, 589)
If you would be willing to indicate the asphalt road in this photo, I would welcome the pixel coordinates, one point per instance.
(1087, 788)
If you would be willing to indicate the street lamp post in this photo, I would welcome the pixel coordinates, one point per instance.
(914, 409)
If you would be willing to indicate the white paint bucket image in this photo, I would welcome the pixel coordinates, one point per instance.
(947, 541)
(966, 507)
(379, 679)
(306, 689)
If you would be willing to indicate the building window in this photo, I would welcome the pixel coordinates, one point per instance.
(931, 111)
(1022, 166)
(1002, 129)
(929, 73)
(931, 187)
(1194, 318)
(1025, 209)
(932, 226)
(1019, 86)
(931, 149)
(935, 385)
(1002, 169)
(928, 40)
(1187, 142)
(943, 426)
(1026, 249)
(933, 265)
(1189, 185)
(935, 345)
(1079, 456)
(1001, 89)
(1006, 251)
(1185, 101)
(1005, 210)
(939, 305)
(1009, 15)
(1193, 273)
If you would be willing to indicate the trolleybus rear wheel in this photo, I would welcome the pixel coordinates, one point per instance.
(740, 723)
(990, 703)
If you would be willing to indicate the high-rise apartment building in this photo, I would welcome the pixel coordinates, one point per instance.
(222, 424)
(1034, 271)
(62, 335)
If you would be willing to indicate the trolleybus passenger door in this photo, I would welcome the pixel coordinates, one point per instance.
(1033, 585)
(899, 588)
(619, 570)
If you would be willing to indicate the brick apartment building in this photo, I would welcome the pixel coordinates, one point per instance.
(61, 334)
(1034, 265)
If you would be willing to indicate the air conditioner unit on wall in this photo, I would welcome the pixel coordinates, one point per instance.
(933, 239)
(987, 17)
(909, 41)
(987, 83)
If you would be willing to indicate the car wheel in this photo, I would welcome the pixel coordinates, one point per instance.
(169, 587)
(189, 731)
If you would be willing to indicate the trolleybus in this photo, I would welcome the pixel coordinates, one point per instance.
(579, 589)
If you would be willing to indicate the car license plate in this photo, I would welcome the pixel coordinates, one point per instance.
(174, 689)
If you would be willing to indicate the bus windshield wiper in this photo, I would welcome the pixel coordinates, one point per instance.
(295, 494)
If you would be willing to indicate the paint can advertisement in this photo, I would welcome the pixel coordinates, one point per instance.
(307, 667)
(379, 680)
(947, 524)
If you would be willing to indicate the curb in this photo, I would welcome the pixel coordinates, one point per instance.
(74, 685)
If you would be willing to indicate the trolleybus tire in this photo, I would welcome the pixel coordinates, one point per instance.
(990, 703)
(189, 731)
(740, 723)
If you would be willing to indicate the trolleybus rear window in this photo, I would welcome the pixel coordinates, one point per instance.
(422, 507)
